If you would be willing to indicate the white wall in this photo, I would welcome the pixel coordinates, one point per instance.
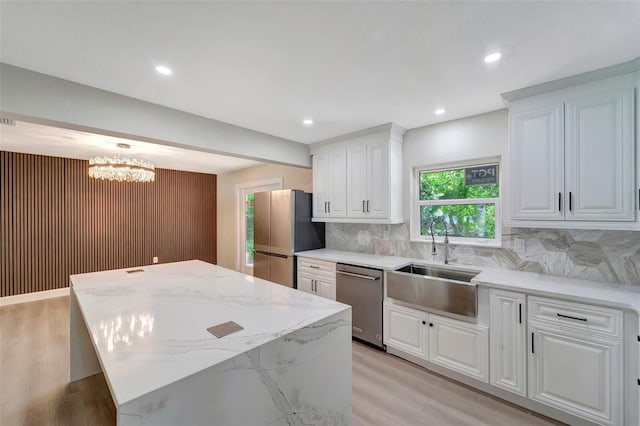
(475, 137)
(293, 178)
(43, 99)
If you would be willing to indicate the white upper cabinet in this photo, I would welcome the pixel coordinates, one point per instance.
(537, 159)
(368, 188)
(368, 180)
(573, 157)
(377, 180)
(357, 180)
(599, 164)
(329, 174)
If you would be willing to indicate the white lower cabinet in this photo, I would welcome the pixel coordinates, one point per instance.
(460, 346)
(576, 359)
(317, 277)
(457, 345)
(577, 374)
(508, 345)
(404, 329)
(565, 355)
(326, 287)
(305, 283)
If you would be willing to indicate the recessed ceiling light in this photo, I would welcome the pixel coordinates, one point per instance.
(307, 122)
(164, 70)
(493, 57)
(439, 111)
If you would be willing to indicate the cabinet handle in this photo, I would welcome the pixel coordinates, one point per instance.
(533, 344)
(314, 267)
(570, 317)
(559, 201)
(368, 207)
(325, 206)
(315, 285)
(638, 199)
(363, 207)
(570, 201)
(329, 206)
(520, 312)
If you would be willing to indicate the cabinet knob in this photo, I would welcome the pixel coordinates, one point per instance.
(430, 324)
(424, 322)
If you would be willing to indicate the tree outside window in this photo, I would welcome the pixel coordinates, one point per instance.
(467, 206)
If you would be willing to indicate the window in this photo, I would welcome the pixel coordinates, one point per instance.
(248, 235)
(465, 196)
(245, 222)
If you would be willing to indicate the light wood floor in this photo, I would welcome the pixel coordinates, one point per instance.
(34, 370)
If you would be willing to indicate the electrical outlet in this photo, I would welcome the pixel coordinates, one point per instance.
(155, 259)
(518, 245)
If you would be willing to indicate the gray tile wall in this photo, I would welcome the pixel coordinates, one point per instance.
(611, 256)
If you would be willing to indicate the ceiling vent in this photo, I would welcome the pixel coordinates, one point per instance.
(7, 121)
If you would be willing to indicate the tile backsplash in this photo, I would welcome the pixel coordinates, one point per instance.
(612, 256)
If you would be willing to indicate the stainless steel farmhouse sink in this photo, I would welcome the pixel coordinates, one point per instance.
(444, 289)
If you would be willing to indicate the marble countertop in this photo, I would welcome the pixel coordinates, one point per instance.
(388, 263)
(149, 329)
(609, 294)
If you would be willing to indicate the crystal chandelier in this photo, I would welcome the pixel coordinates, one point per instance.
(121, 169)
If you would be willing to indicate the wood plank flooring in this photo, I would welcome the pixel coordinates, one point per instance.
(34, 388)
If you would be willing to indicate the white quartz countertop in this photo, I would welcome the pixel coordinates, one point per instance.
(149, 329)
(360, 259)
(602, 293)
(610, 294)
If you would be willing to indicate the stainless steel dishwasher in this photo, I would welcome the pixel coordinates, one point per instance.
(362, 289)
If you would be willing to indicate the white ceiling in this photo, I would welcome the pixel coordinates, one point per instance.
(44, 140)
(347, 65)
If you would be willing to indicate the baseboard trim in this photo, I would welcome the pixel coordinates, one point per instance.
(31, 297)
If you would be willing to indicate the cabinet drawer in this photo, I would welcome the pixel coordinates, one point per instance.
(577, 316)
(314, 266)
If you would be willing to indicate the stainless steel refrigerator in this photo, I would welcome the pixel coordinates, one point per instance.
(282, 226)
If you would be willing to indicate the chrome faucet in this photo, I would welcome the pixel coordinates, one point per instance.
(446, 239)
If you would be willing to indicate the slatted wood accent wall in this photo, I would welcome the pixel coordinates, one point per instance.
(56, 221)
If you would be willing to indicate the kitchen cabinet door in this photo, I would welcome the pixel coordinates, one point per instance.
(576, 373)
(305, 283)
(337, 178)
(377, 180)
(321, 184)
(405, 329)
(537, 162)
(325, 287)
(599, 152)
(329, 177)
(508, 346)
(357, 180)
(459, 346)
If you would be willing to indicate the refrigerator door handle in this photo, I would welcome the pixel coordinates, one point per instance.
(267, 253)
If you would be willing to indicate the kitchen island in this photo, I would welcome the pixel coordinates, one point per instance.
(146, 329)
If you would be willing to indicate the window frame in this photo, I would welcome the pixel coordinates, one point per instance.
(416, 203)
